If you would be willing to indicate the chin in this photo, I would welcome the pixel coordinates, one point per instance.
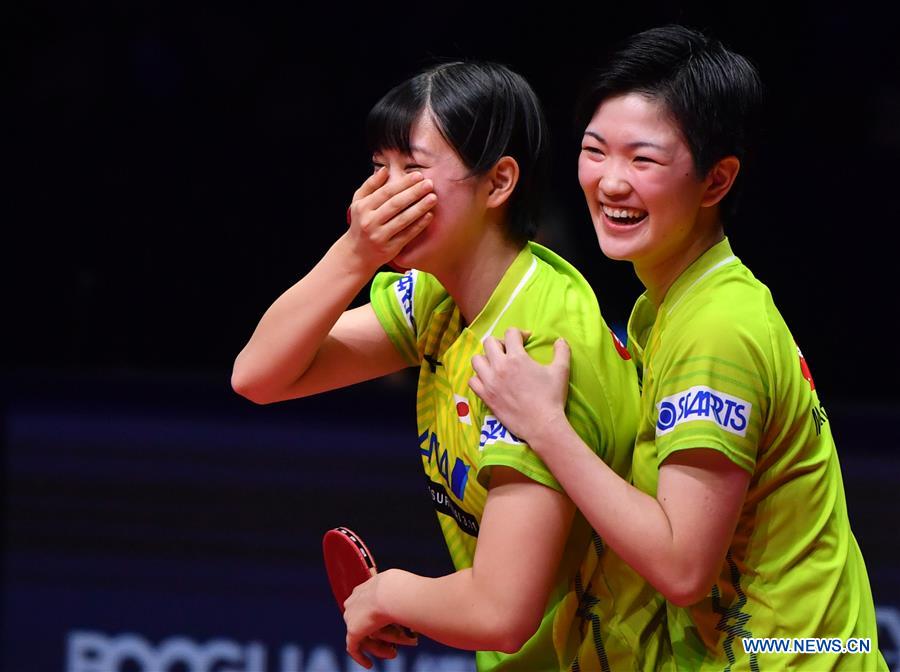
(625, 245)
(618, 250)
(414, 255)
(612, 252)
(429, 251)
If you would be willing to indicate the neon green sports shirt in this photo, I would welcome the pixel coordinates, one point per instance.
(720, 370)
(600, 614)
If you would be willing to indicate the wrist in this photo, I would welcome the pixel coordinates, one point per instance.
(350, 261)
(549, 431)
(390, 585)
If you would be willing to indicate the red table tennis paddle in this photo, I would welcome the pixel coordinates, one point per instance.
(347, 561)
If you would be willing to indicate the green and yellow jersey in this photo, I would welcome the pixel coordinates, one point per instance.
(600, 614)
(720, 370)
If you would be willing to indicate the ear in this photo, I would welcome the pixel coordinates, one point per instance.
(502, 180)
(720, 178)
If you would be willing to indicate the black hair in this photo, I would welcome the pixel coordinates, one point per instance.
(484, 111)
(714, 95)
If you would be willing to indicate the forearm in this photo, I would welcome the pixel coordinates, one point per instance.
(454, 610)
(633, 523)
(290, 332)
(498, 603)
(676, 539)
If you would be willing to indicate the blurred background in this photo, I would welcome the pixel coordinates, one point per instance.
(170, 168)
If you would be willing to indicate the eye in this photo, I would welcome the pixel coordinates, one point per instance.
(412, 166)
(596, 151)
(644, 159)
(376, 166)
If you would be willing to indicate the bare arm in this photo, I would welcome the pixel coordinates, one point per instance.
(495, 605)
(677, 540)
(307, 341)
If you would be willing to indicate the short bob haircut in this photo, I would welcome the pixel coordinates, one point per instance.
(484, 111)
(712, 94)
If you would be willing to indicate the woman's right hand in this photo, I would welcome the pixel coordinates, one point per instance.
(385, 216)
(527, 397)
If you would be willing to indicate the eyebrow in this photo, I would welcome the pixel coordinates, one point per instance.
(631, 145)
(412, 149)
(419, 150)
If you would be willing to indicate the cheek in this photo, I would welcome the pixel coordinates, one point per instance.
(454, 201)
(656, 191)
(676, 191)
(588, 175)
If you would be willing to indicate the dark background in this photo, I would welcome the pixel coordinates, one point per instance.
(170, 168)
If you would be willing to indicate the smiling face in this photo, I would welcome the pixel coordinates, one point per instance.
(646, 201)
(461, 204)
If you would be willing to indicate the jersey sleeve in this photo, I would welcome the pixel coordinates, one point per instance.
(393, 298)
(714, 388)
(500, 447)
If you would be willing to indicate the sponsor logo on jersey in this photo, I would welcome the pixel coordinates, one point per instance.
(463, 409)
(804, 367)
(492, 431)
(620, 347)
(404, 288)
(444, 503)
(431, 451)
(703, 404)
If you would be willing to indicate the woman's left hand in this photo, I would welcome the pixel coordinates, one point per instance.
(369, 631)
(526, 396)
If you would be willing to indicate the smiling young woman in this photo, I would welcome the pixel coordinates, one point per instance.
(735, 510)
(459, 154)
(646, 201)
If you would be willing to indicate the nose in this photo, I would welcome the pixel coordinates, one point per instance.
(394, 174)
(613, 181)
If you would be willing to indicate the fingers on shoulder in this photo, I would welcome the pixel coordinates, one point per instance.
(562, 353)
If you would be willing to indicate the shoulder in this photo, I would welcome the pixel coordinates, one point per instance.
(725, 332)
(564, 303)
(413, 282)
(602, 374)
(414, 294)
(731, 304)
(565, 306)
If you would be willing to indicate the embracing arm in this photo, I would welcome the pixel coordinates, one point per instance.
(498, 603)
(307, 341)
(677, 541)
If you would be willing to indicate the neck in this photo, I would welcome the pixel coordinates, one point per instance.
(472, 281)
(658, 276)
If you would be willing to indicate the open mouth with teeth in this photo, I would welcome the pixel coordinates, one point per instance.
(624, 216)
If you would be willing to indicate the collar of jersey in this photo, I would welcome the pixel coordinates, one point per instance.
(512, 282)
(644, 314)
(715, 257)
